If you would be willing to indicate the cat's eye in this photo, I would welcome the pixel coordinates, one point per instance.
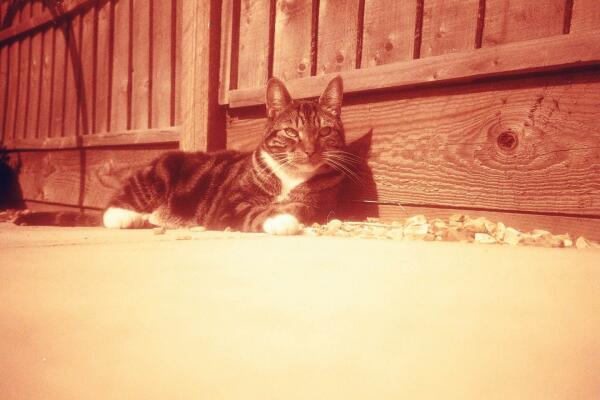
(324, 131)
(291, 132)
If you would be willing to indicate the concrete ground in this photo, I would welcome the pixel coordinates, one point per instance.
(91, 313)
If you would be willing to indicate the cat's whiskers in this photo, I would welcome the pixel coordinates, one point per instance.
(337, 163)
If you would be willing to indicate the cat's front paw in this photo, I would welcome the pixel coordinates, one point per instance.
(120, 218)
(282, 224)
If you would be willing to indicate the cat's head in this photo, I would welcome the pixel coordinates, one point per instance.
(304, 135)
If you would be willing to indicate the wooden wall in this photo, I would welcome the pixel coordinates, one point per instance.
(81, 78)
(487, 107)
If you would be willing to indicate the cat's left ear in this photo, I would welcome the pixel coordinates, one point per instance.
(277, 98)
(331, 99)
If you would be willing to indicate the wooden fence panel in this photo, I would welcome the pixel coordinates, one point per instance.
(140, 75)
(510, 21)
(338, 34)
(586, 15)
(59, 81)
(23, 88)
(3, 89)
(253, 58)
(449, 26)
(46, 90)
(103, 84)
(70, 123)
(85, 73)
(389, 31)
(120, 111)
(292, 52)
(31, 126)
(162, 64)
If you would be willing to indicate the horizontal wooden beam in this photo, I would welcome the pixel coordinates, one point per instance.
(66, 7)
(146, 136)
(547, 54)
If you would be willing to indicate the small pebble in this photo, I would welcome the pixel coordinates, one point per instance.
(159, 230)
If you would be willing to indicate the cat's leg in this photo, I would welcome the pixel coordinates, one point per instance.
(121, 218)
(281, 224)
(278, 219)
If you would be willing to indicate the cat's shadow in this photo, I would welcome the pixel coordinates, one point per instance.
(11, 194)
(358, 195)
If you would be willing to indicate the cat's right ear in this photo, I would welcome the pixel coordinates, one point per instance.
(277, 98)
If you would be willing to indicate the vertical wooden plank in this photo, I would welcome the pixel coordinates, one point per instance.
(178, 64)
(23, 94)
(338, 23)
(586, 16)
(70, 123)
(85, 49)
(389, 31)
(102, 80)
(510, 21)
(59, 81)
(3, 90)
(12, 90)
(254, 43)
(35, 70)
(37, 7)
(226, 38)
(203, 126)
(449, 26)
(162, 40)
(140, 74)
(292, 39)
(120, 105)
(46, 93)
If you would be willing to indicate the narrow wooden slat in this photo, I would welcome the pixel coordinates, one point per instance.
(226, 39)
(46, 91)
(25, 10)
(37, 8)
(133, 137)
(528, 144)
(449, 26)
(178, 66)
(120, 105)
(510, 21)
(553, 53)
(85, 49)
(3, 90)
(338, 24)
(140, 76)
(254, 43)
(23, 92)
(292, 39)
(13, 85)
(59, 81)
(103, 81)
(48, 16)
(70, 124)
(35, 70)
(586, 16)
(162, 40)
(389, 31)
(202, 125)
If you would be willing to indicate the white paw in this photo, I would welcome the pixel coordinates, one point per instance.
(282, 224)
(120, 218)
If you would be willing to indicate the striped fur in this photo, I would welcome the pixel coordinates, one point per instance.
(296, 170)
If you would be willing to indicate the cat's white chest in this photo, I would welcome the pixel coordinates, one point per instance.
(288, 181)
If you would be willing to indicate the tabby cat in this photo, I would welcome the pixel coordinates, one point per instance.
(292, 177)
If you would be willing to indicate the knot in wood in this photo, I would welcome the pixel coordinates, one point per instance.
(388, 46)
(507, 140)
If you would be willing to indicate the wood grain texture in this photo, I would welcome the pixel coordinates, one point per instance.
(59, 81)
(530, 56)
(140, 74)
(225, 57)
(3, 90)
(23, 91)
(254, 43)
(338, 22)
(451, 146)
(510, 21)
(120, 105)
(46, 92)
(389, 31)
(449, 26)
(162, 41)
(103, 83)
(13, 85)
(586, 16)
(35, 70)
(85, 75)
(292, 51)
(71, 113)
(80, 177)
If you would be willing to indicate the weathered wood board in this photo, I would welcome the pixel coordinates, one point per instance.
(586, 16)
(292, 52)
(524, 145)
(338, 24)
(254, 43)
